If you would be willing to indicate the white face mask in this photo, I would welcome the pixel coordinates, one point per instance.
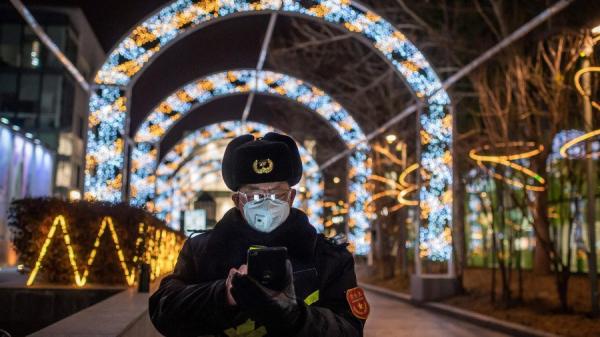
(265, 215)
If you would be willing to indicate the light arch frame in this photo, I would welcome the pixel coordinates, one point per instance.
(144, 157)
(203, 136)
(108, 123)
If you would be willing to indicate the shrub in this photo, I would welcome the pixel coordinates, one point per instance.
(31, 220)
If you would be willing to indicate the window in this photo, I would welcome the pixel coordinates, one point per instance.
(81, 129)
(65, 145)
(8, 92)
(58, 34)
(29, 93)
(78, 176)
(31, 50)
(68, 91)
(63, 174)
(51, 99)
(10, 44)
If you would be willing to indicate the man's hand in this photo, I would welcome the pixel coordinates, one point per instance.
(242, 270)
(278, 310)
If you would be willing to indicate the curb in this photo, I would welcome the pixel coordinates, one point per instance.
(510, 328)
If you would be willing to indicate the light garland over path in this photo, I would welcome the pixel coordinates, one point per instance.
(108, 127)
(181, 161)
(144, 157)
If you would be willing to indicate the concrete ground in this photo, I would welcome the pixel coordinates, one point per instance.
(393, 318)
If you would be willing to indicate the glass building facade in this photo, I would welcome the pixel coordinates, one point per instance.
(36, 92)
(42, 107)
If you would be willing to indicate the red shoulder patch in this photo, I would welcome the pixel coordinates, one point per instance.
(358, 302)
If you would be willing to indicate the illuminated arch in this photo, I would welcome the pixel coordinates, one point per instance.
(144, 155)
(184, 100)
(177, 195)
(107, 121)
(174, 162)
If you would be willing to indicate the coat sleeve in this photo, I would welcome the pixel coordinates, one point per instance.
(182, 308)
(331, 316)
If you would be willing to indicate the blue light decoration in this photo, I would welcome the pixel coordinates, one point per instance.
(577, 150)
(173, 21)
(178, 178)
(181, 189)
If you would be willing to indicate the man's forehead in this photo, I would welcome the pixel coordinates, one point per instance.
(265, 186)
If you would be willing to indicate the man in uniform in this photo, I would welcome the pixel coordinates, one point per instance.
(210, 292)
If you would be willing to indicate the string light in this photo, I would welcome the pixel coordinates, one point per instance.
(506, 160)
(564, 149)
(105, 160)
(502, 159)
(399, 189)
(405, 173)
(384, 151)
(165, 257)
(402, 196)
(144, 155)
(578, 86)
(174, 162)
(174, 107)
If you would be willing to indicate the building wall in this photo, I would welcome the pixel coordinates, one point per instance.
(26, 170)
(38, 94)
(40, 99)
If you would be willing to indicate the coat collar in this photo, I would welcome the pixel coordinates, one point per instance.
(232, 236)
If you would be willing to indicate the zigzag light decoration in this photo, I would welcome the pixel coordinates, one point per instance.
(161, 260)
(105, 151)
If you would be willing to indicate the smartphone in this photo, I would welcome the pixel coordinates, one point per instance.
(267, 266)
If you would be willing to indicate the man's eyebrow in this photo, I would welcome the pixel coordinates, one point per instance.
(261, 187)
(251, 187)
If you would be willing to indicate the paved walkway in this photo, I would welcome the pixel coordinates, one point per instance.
(394, 318)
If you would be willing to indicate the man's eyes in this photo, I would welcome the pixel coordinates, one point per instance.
(278, 195)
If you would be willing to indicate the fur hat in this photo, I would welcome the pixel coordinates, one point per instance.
(250, 160)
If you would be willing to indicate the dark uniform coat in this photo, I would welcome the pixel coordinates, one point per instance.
(192, 301)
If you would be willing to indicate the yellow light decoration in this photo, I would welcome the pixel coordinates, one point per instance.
(403, 201)
(386, 193)
(400, 190)
(390, 182)
(160, 259)
(395, 208)
(405, 173)
(388, 154)
(510, 181)
(506, 160)
(578, 86)
(502, 159)
(563, 149)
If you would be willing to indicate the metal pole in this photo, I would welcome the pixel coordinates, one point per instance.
(591, 185)
(464, 71)
(259, 65)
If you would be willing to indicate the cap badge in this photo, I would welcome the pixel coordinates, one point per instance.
(262, 166)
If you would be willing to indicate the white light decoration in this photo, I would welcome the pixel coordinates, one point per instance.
(181, 102)
(105, 151)
(182, 188)
(178, 176)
